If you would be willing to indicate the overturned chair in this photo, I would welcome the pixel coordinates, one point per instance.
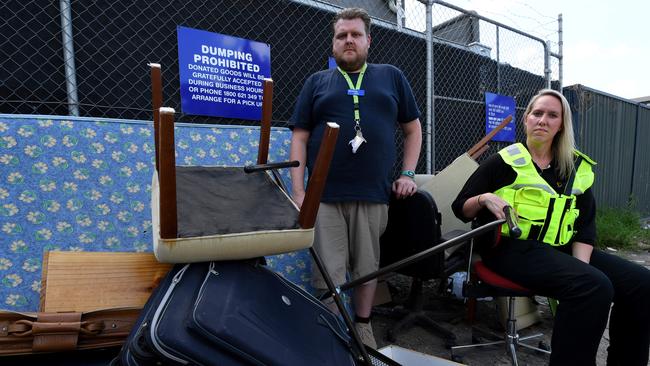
(203, 213)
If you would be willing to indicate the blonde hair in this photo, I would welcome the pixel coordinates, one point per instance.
(563, 146)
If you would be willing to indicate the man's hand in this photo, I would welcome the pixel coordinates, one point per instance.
(404, 187)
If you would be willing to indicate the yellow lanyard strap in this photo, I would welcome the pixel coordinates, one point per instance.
(355, 91)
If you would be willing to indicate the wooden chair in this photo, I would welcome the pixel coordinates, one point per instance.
(204, 213)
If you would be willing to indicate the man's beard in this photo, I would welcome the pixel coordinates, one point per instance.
(351, 65)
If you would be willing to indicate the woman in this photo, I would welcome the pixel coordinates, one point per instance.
(548, 183)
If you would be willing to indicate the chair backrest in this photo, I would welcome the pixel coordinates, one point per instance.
(413, 226)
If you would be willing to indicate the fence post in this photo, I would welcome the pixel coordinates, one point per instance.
(399, 14)
(559, 47)
(547, 63)
(498, 62)
(68, 58)
(430, 150)
(634, 154)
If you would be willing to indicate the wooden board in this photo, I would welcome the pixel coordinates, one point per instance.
(84, 281)
(445, 186)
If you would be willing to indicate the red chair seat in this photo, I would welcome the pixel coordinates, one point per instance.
(488, 276)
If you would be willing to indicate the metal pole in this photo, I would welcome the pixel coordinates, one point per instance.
(498, 64)
(439, 247)
(68, 57)
(399, 14)
(547, 64)
(560, 44)
(430, 150)
(634, 154)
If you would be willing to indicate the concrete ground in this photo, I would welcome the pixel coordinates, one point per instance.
(418, 339)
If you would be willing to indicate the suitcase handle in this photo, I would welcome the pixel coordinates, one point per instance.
(25, 328)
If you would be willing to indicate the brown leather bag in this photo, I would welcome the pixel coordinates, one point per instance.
(23, 333)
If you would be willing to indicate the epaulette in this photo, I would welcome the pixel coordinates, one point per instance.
(585, 157)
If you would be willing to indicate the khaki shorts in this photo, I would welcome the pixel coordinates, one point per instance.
(347, 239)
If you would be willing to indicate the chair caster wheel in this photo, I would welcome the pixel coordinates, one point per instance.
(457, 358)
(543, 345)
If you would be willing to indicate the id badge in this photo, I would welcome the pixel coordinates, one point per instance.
(357, 141)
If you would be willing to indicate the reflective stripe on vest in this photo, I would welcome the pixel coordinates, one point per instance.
(543, 214)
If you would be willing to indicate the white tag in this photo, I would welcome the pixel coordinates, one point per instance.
(356, 142)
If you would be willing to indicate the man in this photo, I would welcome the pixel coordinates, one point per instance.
(367, 101)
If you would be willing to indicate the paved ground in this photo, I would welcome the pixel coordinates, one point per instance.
(419, 339)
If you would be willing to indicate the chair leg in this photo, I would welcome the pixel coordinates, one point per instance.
(511, 338)
(536, 349)
(414, 313)
(513, 353)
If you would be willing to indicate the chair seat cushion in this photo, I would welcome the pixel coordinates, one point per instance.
(227, 214)
(491, 278)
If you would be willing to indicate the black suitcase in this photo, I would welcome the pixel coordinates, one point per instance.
(235, 313)
(135, 351)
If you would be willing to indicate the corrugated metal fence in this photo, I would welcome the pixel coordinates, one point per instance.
(614, 132)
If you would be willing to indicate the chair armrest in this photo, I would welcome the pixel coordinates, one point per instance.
(452, 234)
(269, 166)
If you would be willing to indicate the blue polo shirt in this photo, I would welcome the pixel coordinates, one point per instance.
(367, 174)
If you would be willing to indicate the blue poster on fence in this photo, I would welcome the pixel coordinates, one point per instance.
(220, 75)
(498, 107)
(331, 62)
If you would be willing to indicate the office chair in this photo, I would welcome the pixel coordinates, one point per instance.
(483, 282)
(414, 226)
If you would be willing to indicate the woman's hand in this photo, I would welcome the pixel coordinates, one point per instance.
(493, 203)
(582, 251)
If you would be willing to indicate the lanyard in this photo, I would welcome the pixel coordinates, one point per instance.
(355, 91)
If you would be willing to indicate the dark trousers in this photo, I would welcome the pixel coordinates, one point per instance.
(585, 293)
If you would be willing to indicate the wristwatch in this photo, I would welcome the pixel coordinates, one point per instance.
(408, 173)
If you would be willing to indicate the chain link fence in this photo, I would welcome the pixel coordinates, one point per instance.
(474, 55)
(114, 40)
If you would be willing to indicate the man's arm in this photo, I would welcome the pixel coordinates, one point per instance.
(405, 186)
(299, 138)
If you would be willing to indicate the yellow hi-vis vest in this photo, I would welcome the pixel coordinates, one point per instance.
(543, 214)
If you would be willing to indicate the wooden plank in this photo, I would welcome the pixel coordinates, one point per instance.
(488, 137)
(265, 122)
(84, 281)
(156, 103)
(167, 173)
(444, 187)
(317, 178)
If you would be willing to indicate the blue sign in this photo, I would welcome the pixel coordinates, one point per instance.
(497, 108)
(331, 63)
(221, 75)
